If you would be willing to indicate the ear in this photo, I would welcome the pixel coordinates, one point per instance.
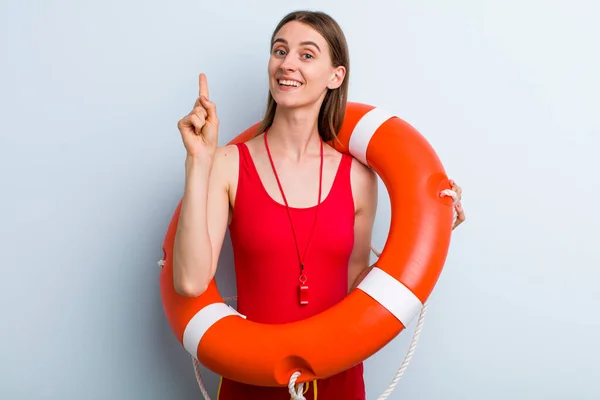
(337, 78)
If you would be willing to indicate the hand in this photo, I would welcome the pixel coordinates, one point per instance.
(460, 213)
(199, 129)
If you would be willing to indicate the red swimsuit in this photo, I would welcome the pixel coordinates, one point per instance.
(267, 270)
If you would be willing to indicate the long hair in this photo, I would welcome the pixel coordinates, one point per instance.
(333, 108)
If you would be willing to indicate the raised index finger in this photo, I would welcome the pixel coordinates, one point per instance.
(203, 86)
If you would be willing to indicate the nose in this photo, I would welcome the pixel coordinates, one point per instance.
(288, 63)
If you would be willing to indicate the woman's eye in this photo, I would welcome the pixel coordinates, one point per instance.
(279, 52)
(309, 56)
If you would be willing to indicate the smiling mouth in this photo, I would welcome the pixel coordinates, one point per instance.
(289, 83)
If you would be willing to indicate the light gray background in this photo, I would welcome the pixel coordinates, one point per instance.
(91, 168)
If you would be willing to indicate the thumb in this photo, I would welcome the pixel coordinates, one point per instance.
(211, 110)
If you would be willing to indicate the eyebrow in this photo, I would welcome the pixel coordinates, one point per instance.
(305, 43)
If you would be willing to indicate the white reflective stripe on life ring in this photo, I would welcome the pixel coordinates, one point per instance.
(200, 323)
(391, 294)
(364, 131)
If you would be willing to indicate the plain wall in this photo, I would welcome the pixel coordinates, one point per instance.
(92, 167)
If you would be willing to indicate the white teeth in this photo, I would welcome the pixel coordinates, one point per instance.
(289, 83)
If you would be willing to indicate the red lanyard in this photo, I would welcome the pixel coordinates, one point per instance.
(303, 287)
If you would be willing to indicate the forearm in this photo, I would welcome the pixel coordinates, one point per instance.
(192, 252)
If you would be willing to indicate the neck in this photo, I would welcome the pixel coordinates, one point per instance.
(295, 133)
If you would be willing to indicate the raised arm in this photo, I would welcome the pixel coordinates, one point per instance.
(205, 207)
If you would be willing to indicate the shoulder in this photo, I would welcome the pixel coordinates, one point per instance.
(226, 157)
(364, 186)
(255, 146)
(363, 177)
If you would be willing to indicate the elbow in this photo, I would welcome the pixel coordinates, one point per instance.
(186, 283)
(188, 286)
(189, 289)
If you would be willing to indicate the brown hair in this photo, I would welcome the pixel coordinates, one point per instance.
(333, 109)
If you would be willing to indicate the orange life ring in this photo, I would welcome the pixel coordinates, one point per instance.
(384, 303)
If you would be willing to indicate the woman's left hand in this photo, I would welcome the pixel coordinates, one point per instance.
(460, 213)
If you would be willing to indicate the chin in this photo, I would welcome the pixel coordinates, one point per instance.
(290, 100)
(282, 102)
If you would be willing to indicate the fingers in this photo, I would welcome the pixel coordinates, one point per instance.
(211, 110)
(200, 111)
(197, 122)
(456, 189)
(203, 117)
(460, 212)
(194, 120)
(199, 119)
(203, 87)
(460, 215)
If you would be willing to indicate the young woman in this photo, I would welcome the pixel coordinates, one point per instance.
(298, 211)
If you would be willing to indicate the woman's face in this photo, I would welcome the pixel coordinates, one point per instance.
(300, 68)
